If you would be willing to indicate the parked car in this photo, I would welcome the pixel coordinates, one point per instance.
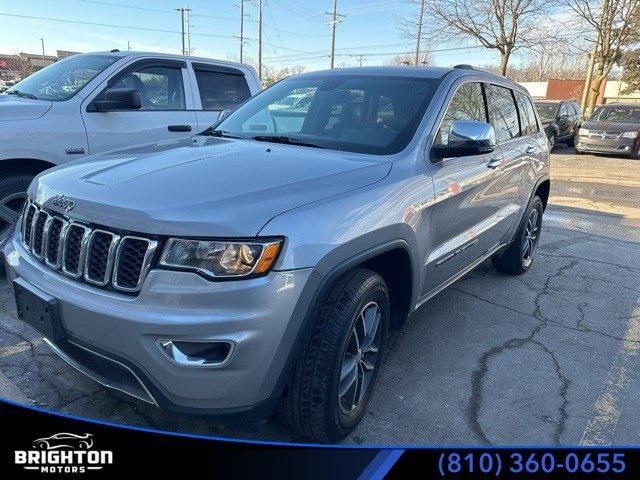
(560, 119)
(612, 129)
(96, 102)
(238, 271)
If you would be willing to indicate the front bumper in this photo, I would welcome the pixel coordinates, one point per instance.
(255, 314)
(621, 146)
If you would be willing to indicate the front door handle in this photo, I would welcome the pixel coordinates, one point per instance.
(530, 149)
(179, 128)
(494, 162)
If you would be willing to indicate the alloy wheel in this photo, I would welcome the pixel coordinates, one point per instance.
(360, 358)
(531, 236)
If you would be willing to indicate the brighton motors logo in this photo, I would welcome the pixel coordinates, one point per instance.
(63, 453)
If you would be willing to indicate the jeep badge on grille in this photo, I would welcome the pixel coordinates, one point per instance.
(63, 202)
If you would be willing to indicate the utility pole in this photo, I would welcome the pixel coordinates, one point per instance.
(44, 62)
(360, 59)
(260, 40)
(419, 34)
(188, 32)
(241, 27)
(335, 20)
(182, 10)
(128, 45)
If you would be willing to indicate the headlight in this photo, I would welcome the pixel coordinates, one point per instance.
(583, 131)
(630, 134)
(219, 258)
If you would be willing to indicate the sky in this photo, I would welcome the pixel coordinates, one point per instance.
(296, 32)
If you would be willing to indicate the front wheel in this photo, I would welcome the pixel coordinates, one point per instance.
(13, 193)
(337, 370)
(518, 257)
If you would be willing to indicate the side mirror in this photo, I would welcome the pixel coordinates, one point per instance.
(119, 99)
(466, 138)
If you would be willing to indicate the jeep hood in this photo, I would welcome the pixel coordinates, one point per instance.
(13, 107)
(203, 186)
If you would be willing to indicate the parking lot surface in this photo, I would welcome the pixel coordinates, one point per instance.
(550, 357)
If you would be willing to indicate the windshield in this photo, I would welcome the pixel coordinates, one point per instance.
(62, 80)
(364, 114)
(547, 110)
(617, 114)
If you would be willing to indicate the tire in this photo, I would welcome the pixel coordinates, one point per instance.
(312, 405)
(13, 192)
(571, 142)
(517, 258)
(552, 141)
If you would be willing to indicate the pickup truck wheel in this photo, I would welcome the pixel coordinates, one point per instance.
(335, 374)
(517, 258)
(13, 193)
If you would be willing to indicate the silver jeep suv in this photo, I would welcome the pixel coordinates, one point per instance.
(262, 263)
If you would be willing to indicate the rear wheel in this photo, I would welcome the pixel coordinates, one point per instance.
(337, 370)
(13, 193)
(517, 258)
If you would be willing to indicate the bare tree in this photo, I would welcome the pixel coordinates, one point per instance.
(425, 58)
(22, 64)
(613, 22)
(502, 25)
(414, 29)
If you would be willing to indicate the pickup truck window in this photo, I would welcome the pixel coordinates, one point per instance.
(62, 80)
(161, 88)
(221, 91)
(364, 113)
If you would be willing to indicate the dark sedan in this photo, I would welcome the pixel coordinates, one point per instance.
(560, 120)
(612, 129)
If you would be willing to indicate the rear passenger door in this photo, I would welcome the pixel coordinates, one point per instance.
(218, 88)
(166, 113)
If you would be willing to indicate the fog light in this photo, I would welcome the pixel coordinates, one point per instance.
(196, 353)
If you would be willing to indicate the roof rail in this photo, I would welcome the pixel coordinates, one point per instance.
(464, 66)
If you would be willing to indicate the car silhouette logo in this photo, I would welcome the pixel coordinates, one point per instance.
(64, 440)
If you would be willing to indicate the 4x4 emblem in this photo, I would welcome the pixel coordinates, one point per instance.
(63, 202)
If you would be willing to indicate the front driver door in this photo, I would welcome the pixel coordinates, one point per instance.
(464, 205)
(167, 108)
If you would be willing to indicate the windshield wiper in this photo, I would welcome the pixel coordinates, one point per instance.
(284, 139)
(22, 94)
(219, 133)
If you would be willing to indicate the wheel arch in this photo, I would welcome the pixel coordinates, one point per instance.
(25, 165)
(542, 190)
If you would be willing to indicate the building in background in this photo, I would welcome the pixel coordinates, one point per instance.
(557, 89)
(16, 67)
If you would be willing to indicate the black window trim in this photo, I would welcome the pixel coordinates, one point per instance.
(206, 67)
(139, 65)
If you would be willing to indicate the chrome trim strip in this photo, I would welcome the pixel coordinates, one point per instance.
(457, 276)
(460, 241)
(160, 342)
(86, 371)
(83, 251)
(110, 257)
(23, 225)
(152, 245)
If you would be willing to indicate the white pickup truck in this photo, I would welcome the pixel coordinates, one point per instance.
(96, 102)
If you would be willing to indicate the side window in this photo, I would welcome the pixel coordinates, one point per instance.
(160, 88)
(221, 91)
(564, 111)
(528, 122)
(467, 104)
(503, 113)
(576, 108)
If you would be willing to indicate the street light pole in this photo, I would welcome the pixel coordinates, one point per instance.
(44, 62)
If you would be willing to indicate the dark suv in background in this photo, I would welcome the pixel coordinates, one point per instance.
(613, 129)
(560, 120)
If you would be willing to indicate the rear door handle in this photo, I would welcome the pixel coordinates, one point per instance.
(179, 128)
(494, 162)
